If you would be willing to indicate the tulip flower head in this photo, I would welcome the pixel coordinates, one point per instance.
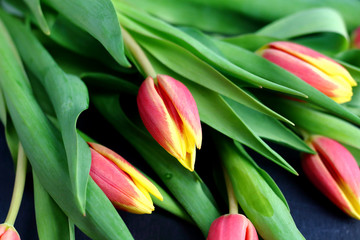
(8, 232)
(334, 171)
(319, 71)
(124, 185)
(355, 38)
(232, 227)
(169, 112)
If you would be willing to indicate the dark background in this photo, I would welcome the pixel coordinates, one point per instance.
(315, 216)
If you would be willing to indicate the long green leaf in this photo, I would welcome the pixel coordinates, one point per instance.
(146, 25)
(268, 128)
(51, 221)
(43, 146)
(69, 98)
(97, 18)
(261, 204)
(202, 16)
(317, 122)
(186, 186)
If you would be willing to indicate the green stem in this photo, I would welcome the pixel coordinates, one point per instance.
(233, 205)
(138, 54)
(18, 186)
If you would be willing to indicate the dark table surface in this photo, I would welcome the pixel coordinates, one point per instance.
(316, 217)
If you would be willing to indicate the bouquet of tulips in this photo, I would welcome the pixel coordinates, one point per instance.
(163, 74)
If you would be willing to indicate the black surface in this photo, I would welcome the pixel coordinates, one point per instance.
(315, 216)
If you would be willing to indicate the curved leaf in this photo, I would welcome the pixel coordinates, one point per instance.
(97, 18)
(69, 98)
(43, 146)
(146, 25)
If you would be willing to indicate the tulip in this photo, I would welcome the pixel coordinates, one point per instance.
(125, 186)
(334, 171)
(355, 38)
(232, 227)
(8, 232)
(169, 112)
(319, 71)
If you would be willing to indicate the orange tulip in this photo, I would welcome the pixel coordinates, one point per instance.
(319, 71)
(232, 227)
(124, 185)
(169, 112)
(8, 232)
(334, 171)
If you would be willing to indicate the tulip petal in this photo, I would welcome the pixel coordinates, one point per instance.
(335, 172)
(117, 185)
(8, 232)
(158, 121)
(125, 166)
(232, 227)
(318, 60)
(185, 105)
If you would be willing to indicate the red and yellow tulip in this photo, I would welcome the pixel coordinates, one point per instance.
(124, 185)
(319, 71)
(334, 171)
(232, 227)
(169, 112)
(355, 38)
(8, 232)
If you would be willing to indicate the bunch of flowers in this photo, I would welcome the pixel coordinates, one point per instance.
(162, 73)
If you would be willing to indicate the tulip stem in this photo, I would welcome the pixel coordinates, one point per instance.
(18, 186)
(138, 54)
(233, 205)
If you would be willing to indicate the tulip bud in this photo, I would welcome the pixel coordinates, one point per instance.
(334, 171)
(355, 38)
(125, 186)
(319, 71)
(8, 232)
(232, 227)
(169, 112)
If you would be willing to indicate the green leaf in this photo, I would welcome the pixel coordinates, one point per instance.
(267, 127)
(316, 122)
(266, 11)
(199, 15)
(145, 25)
(261, 204)
(44, 148)
(177, 59)
(51, 221)
(251, 41)
(169, 203)
(306, 22)
(69, 98)
(99, 19)
(35, 8)
(186, 186)
(266, 69)
(72, 37)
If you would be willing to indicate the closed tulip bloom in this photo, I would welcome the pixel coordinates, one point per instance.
(355, 38)
(8, 232)
(169, 112)
(334, 171)
(124, 185)
(319, 71)
(232, 227)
